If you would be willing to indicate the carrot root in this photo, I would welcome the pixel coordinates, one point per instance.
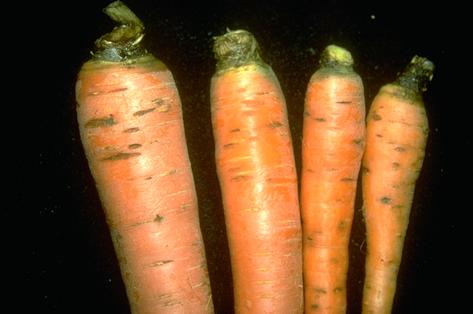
(397, 130)
(131, 127)
(332, 148)
(256, 170)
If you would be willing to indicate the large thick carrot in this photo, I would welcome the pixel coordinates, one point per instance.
(255, 164)
(333, 144)
(397, 129)
(131, 127)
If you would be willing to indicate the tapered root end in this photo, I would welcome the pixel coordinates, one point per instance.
(417, 74)
(235, 48)
(336, 56)
(123, 42)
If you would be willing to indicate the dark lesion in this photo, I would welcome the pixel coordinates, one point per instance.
(376, 117)
(161, 263)
(134, 146)
(275, 124)
(121, 156)
(319, 290)
(358, 141)
(400, 149)
(140, 113)
(385, 200)
(131, 130)
(101, 122)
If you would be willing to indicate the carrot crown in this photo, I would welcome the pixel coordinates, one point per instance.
(122, 42)
(335, 56)
(236, 48)
(416, 75)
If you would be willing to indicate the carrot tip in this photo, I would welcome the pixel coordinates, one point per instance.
(123, 41)
(235, 48)
(336, 56)
(417, 74)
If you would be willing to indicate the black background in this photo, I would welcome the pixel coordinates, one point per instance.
(77, 268)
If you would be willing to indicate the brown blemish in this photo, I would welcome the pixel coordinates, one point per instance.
(101, 122)
(395, 165)
(385, 200)
(160, 263)
(239, 178)
(399, 149)
(320, 290)
(275, 124)
(314, 307)
(171, 172)
(320, 119)
(376, 117)
(121, 156)
(235, 130)
(342, 226)
(347, 179)
(358, 141)
(131, 130)
(118, 89)
(143, 112)
(158, 218)
(161, 105)
(229, 145)
(134, 146)
(343, 102)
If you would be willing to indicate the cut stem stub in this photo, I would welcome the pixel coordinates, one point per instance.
(123, 42)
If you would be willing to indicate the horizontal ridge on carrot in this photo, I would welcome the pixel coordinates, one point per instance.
(131, 127)
(397, 130)
(332, 148)
(257, 174)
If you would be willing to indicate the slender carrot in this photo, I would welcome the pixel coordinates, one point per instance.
(333, 144)
(131, 127)
(257, 174)
(397, 129)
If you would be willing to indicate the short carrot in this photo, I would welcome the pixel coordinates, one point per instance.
(332, 148)
(256, 170)
(397, 130)
(131, 127)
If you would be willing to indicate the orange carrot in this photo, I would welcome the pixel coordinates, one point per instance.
(131, 127)
(332, 148)
(256, 170)
(397, 129)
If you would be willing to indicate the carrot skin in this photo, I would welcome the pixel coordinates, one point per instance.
(256, 169)
(332, 148)
(397, 130)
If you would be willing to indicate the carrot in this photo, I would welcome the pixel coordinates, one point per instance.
(131, 127)
(397, 130)
(332, 148)
(256, 170)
